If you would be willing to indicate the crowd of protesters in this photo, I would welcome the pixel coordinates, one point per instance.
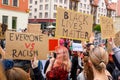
(91, 63)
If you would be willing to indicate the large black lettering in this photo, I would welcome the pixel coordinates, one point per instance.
(65, 32)
(11, 36)
(66, 15)
(14, 51)
(85, 19)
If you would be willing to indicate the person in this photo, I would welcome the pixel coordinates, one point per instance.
(98, 60)
(59, 68)
(8, 72)
(37, 72)
(116, 53)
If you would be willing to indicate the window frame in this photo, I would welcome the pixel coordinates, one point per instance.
(17, 3)
(5, 3)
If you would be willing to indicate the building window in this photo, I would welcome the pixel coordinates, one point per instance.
(5, 2)
(65, 1)
(46, 6)
(35, 9)
(30, 14)
(84, 6)
(54, 15)
(102, 4)
(5, 20)
(80, 5)
(83, 11)
(46, 14)
(60, 1)
(35, 17)
(31, 1)
(55, 7)
(87, 12)
(46, 0)
(99, 9)
(35, 2)
(80, 10)
(30, 7)
(104, 10)
(40, 15)
(14, 22)
(41, 0)
(41, 7)
(88, 6)
(56, 1)
(15, 3)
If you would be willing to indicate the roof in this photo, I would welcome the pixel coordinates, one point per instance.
(112, 6)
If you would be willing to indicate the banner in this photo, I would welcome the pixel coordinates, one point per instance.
(107, 29)
(20, 45)
(77, 47)
(73, 25)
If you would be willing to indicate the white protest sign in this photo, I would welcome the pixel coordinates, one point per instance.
(77, 47)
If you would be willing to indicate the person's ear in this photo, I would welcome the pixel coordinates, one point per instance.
(89, 62)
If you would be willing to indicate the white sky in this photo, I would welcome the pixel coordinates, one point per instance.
(114, 0)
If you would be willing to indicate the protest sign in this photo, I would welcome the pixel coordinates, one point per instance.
(107, 29)
(34, 28)
(77, 47)
(20, 45)
(3, 29)
(52, 44)
(117, 39)
(73, 25)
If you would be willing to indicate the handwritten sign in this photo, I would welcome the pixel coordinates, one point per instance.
(3, 29)
(117, 39)
(21, 45)
(107, 28)
(73, 25)
(34, 28)
(77, 47)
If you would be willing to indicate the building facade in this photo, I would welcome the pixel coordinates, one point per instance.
(14, 13)
(44, 11)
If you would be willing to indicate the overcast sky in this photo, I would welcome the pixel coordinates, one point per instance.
(114, 0)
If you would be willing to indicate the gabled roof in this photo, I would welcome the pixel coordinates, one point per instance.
(95, 2)
(112, 6)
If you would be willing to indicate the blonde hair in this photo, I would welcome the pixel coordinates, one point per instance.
(17, 74)
(62, 58)
(99, 58)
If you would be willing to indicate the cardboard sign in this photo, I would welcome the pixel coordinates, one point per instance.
(3, 31)
(117, 39)
(52, 44)
(77, 47)
(25, 46)
(107, 28)
(34, 28)
(73, 25)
